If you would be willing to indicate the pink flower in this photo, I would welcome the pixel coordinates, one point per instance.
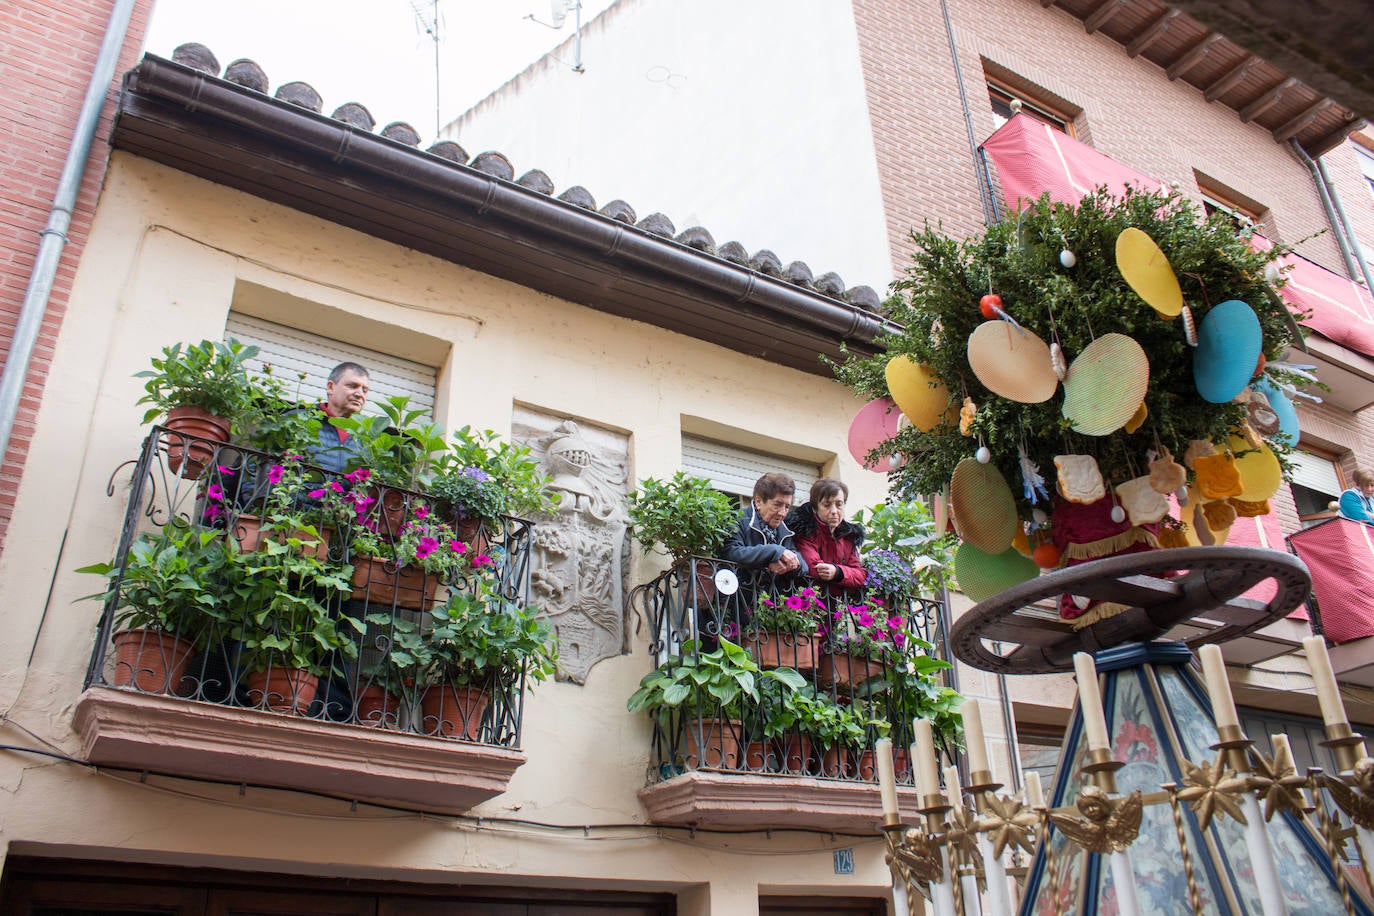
(215, 492)
(770, 602)
(316, 494)
(808, 592)
(426, 547)
(421, 511)
(457, 546)
(274, 473)
(358, 476)
(295, 457)
(865, 619)
(795, 602)
(483, 560)
(213, 512)
(225, 470)
(335, 486)
(894, 623)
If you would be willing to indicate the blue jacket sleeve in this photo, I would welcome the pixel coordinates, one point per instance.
(1352, 506)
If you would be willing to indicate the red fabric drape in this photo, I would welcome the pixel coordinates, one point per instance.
(1340, 554)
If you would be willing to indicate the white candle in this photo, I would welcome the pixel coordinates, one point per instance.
(1090, 702)
(1324, 679)
(1218, 687)
(923, 753)
(973, 736)
(1035, 793)
(956, 795)
(887, 781)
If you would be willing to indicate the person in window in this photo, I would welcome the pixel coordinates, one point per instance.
(1357, 503)
(761, 539)
(828, 544)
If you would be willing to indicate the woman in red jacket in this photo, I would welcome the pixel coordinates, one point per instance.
(829, 545)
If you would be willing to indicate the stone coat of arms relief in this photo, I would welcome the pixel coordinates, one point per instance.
(578, 559)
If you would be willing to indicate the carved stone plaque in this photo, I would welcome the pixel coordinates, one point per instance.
(578, 563)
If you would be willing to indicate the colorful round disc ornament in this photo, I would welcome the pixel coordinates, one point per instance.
(982, 505)
(1105, 385)
(1279, 403)
(875, 423)
(920, 395)
(1012, 362)
(1260, 474)
(983, 575)
(1229, 343)
(1148, 272)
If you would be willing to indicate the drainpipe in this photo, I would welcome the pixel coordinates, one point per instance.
(1355, 265)
(54, 234)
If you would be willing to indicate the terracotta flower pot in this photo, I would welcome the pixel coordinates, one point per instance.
(390, 510)
(288, 690)
(375, 581)
(453, 712)
(794, 753)
(152, 661)
(247, 530)
(785, 650)
(187, 457)
(713, 744)
(844, 670)
(376, 708)
(471, 530)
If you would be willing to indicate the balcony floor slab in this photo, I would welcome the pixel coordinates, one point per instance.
(177, 737)
(702, 798)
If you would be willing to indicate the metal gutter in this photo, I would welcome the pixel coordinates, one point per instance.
(527, 236)
(54, 234)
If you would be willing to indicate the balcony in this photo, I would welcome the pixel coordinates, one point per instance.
(270, 623)
(798, 753)
(1340, 554)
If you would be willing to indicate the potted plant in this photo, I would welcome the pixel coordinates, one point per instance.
(202, 388)
(914, 690)
(167, 599)
(860, 640)
(835, 731)
(688, 518)
(711, 691)
(390, 676)
(289, 507)
(478, 638)
(784, 630)
(400, 453)
(287, 615)
(407, 569)
(275, 422)
(517, 485)
(907, 529)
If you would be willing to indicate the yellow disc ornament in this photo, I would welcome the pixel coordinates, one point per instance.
(921, 396)
(1146, 268)
(983, 507)
(1260, 473)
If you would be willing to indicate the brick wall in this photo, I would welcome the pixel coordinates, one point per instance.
(49, 50)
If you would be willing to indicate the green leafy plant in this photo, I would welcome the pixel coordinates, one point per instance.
(400, 668)
(423, 541)
(914, 690)
(471, 492)
(907, 529)
(800, 614)
(520, 486)
(725, 680)
(396, 445)
(170, 581)
(276, 421)
(685, 515)
(282, 605)
(210, 375)
(827, 723)
(476, 632)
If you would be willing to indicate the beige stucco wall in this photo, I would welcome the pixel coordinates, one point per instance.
(166, 256)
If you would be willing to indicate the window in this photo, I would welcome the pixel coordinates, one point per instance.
(733, 469)
(1244, 213)
(1317, 482)
(1002, 96)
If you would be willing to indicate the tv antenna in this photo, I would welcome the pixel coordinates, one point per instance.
(558, 13)
(427, 20)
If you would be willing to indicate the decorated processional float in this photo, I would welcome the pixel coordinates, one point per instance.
(1092, 395)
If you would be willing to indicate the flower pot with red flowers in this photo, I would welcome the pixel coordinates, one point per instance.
(166, 600)
(202, 388)
(784, 631)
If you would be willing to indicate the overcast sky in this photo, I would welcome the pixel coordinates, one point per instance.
(373, 51)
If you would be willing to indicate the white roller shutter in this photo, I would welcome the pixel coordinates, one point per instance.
(1315, 473)
(733, 470)
(292, 351)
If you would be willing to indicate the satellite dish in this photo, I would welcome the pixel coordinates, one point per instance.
(558, 12)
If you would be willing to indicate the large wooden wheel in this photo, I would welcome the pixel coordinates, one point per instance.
(1010, 634)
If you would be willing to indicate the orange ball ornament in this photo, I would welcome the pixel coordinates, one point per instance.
(1046, 556)
(990, 305)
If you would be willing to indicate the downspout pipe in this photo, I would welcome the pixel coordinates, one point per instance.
(1355, 265)
(54, 234)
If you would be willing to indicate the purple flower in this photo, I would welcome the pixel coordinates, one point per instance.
(225, 470)
(316, 494)
(457, 546)
(215, 492)
(477, 474)
(865, 619)
(894, 623)
(213, 512)
(335, 486)
(358, 476)
(795, 602)
(421, 511)
(274, 473)
(426, 547)
(295, 457)
(483, 560)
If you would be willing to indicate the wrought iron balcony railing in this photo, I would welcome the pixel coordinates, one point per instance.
(248, 581)
(868, 665)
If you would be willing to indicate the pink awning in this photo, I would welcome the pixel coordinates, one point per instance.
(1031, 158)
(1340, 554)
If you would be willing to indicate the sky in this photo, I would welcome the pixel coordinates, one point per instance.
(374, 52)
